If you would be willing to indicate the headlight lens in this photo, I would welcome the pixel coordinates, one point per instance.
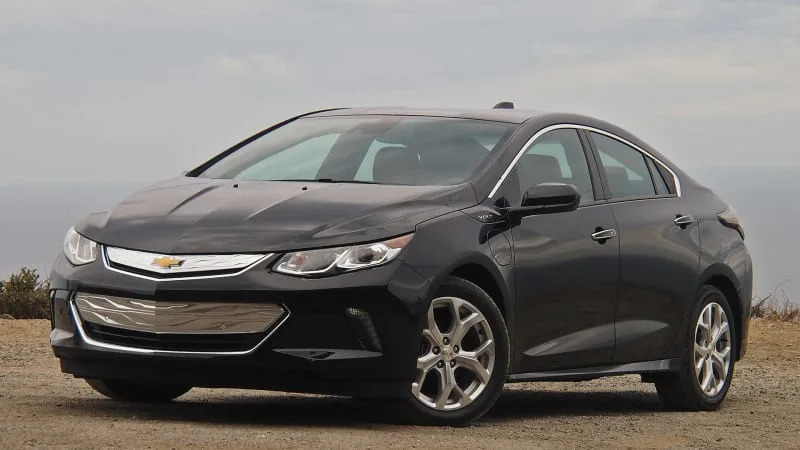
(329, 261)
(79, 249)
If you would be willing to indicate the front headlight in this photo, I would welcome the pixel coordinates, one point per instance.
(79, 249)
(329, 261)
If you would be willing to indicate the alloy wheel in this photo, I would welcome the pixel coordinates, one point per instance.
(712, 349)
(457, 355)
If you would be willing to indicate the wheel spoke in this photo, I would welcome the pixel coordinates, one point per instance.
(446, 383)
(699, 349)
(719, 332)
(463, 398)
(463, 326)
(705, 319)
(484, 347)
(453, 305)
(699, 364)
(708, 376)
(432, 337)
(720, 362)
(432, 332)
(475, 366)
(416, 386)
(426, 362)
(716, 312)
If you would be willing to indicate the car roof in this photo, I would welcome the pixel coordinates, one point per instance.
(499, 115)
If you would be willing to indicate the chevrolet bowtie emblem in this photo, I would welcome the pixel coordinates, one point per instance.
(165, 262)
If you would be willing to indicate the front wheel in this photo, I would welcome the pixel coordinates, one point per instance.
(136, 392)
(463, 357)
(708, 357)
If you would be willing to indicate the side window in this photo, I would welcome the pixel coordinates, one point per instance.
(556, 157)
(625, 167)
(658, 178)
(302, 161)
(668, 178)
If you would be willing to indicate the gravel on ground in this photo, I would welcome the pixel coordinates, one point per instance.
(40, 406)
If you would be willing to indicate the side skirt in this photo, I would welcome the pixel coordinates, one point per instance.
(590, 373)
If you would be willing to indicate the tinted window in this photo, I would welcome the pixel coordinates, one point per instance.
(625, 167)
(658, 179)
(556, 157)
(380, 149)
(667, 176)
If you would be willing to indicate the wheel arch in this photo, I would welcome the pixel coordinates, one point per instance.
(722, 278)
(481, 276)
(479, 269)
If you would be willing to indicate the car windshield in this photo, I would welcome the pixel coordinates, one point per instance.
(408, 150)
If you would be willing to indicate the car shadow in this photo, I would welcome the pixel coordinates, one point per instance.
(304, 411)
(513, 405)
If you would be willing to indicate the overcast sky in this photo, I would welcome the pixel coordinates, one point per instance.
(141, 89)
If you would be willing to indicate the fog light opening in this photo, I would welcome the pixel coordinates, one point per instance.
(366, 329)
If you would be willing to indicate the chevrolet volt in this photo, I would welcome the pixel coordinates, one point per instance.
(425, 257)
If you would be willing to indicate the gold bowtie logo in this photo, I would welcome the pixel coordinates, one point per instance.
(165, 262)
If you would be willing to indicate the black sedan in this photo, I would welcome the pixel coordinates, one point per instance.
(421, 256)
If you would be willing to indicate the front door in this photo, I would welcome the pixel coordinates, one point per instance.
(566, 279)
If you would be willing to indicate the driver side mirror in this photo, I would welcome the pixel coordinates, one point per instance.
(548, 198)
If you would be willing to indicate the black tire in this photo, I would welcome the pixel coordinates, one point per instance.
(135, 392)
(681, 390)
(416, 412)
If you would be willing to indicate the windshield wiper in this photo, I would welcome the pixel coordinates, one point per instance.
(330, 180)
(333, 180)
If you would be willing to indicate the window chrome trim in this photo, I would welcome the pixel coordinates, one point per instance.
(585, 128)
(107, 264)
(148, 351)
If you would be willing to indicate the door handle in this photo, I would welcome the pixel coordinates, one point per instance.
(603, 235)
(684, 221)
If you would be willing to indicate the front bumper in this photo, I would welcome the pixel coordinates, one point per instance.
(352, 334)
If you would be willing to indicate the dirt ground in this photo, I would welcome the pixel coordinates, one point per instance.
(40, 406)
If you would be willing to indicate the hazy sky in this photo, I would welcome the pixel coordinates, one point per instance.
(141, 89)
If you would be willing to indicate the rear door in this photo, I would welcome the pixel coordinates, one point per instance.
(659, 249)
(566, 282)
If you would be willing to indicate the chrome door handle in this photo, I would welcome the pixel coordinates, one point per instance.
(604, 235)
(684, 221)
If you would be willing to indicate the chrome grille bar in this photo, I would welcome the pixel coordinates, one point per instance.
(180, 266)
(177, 317)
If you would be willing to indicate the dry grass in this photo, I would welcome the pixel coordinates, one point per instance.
(24, 295)
(776, 307)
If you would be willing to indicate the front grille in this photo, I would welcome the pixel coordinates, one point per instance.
(173, 342)
(175, 325)
(168, 276)
(161, 266)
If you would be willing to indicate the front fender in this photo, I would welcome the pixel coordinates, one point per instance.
(454, 241)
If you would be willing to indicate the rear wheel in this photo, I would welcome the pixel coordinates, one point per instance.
(463, 357)
(708, 357)
(136, 392)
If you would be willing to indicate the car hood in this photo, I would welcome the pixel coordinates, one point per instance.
(196, 215)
